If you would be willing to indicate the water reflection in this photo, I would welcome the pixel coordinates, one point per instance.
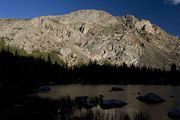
(157, 111)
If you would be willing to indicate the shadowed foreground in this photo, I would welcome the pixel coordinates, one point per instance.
(21, 74)
(35, 108)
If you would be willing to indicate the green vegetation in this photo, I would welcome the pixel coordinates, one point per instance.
(51, 57)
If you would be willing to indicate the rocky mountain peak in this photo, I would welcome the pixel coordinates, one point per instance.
(90, 16)
(88, 35)
(83, 16)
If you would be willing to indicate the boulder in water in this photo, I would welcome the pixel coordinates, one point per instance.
(174, 114)
(151, 98)
(89, 105)
(80, 100)
(108, 104)
(44, 88)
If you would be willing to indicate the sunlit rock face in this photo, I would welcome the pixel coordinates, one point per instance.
(91, 35)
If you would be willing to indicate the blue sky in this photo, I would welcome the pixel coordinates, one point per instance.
(164, 13)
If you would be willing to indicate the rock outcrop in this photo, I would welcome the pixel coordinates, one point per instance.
(90, 35)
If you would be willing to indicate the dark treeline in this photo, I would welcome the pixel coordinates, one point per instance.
(16, 70)
(23, 71)
(94, 73)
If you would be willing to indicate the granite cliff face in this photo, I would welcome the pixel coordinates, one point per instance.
(88, 35)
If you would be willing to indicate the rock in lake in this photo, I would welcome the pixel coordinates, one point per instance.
(44, 88)
(151, 98)
(174, 114)
(108, 104)
(81, 99)
(88, 105)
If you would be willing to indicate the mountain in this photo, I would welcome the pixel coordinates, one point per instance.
(91, 35)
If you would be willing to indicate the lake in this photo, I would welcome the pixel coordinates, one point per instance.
(157, 111)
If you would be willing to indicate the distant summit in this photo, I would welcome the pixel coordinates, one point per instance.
(91, 16)
(92, 35)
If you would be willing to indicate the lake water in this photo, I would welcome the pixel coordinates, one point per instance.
(157, 111)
